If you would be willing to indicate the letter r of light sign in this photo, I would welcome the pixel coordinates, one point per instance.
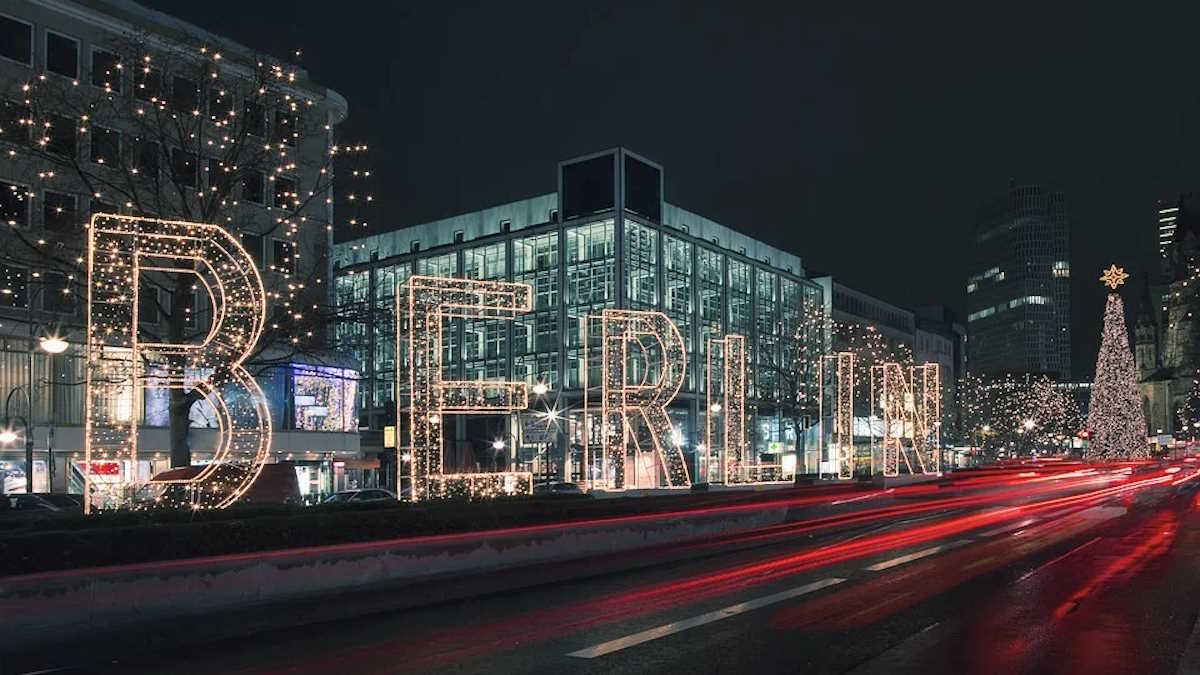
(636, 392)
(423, 303)
(120, 366)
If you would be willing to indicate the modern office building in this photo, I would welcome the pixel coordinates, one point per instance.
(606, 238)
(1018, 291)
(1167, 211)
(77, 164)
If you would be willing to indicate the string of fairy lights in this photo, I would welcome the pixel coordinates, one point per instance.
(1116, 423)
(628, 394)
(183, 132)
(190, 134)
(725, 420)
(120, 366)
(422, 305)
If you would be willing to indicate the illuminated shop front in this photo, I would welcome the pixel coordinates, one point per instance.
(313, 410)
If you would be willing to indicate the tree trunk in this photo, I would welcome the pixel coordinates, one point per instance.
(178, 420)
(180, 402)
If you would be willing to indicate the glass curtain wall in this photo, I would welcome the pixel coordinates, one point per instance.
(351, 291)
(484, 340)
(535, 335)
(591, 287)
(446, 265)
(384, 367)
(679, 284)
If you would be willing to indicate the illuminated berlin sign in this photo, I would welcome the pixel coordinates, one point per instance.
(125, 253)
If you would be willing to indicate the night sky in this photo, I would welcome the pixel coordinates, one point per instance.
(860, 138)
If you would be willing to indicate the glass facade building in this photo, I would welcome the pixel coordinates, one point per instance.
(1018, 293)
(605, 240)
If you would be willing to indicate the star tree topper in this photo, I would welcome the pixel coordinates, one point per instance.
(1114, 276)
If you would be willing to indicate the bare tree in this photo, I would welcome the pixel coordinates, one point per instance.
(184, 130)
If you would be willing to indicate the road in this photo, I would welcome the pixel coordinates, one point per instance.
(1049, 570)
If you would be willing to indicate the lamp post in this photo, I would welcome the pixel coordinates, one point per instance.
(51, 345)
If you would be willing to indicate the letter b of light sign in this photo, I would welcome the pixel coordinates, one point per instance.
(125, 253)
(423, 303)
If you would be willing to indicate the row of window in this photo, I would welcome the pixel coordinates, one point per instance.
(61, 213)
(61, 57)
(1011, 304)
(107, 146)
(858, 307)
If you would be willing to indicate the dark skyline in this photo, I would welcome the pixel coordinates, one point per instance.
(861, 141)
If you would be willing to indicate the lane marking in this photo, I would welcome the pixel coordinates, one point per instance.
(708, 617)
(981, 561)
(1044, 565)
(856, 499)
(1008, 528)
(888, 564)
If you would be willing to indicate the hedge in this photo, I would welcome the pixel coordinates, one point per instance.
(111, 538)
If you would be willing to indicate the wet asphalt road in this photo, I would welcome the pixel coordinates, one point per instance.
(1102, 582)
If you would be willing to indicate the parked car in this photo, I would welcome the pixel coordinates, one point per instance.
(360, 496)
(276, 484)
(558, 489)
(41, 502)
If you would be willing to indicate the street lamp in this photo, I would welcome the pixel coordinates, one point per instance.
(51, 344)
(54, 345)
(540, 388)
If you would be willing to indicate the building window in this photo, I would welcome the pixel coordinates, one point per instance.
(283, 256)
(106, 146)
(16, 40)
(59, 211)
(14, 286)
(285, 192)
(255, 119)
(14, 204)
(59, 137)
(145, 157)
(220, 179)
(220, 102)
(183, 167)
(185, 95)
(149, 84)
(253, 244)
(106, 70)
(57, 294)
(14, 122)
(252, 187)
(62, 55)
(285, 127)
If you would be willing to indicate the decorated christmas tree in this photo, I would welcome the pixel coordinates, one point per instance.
(1115, 419)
